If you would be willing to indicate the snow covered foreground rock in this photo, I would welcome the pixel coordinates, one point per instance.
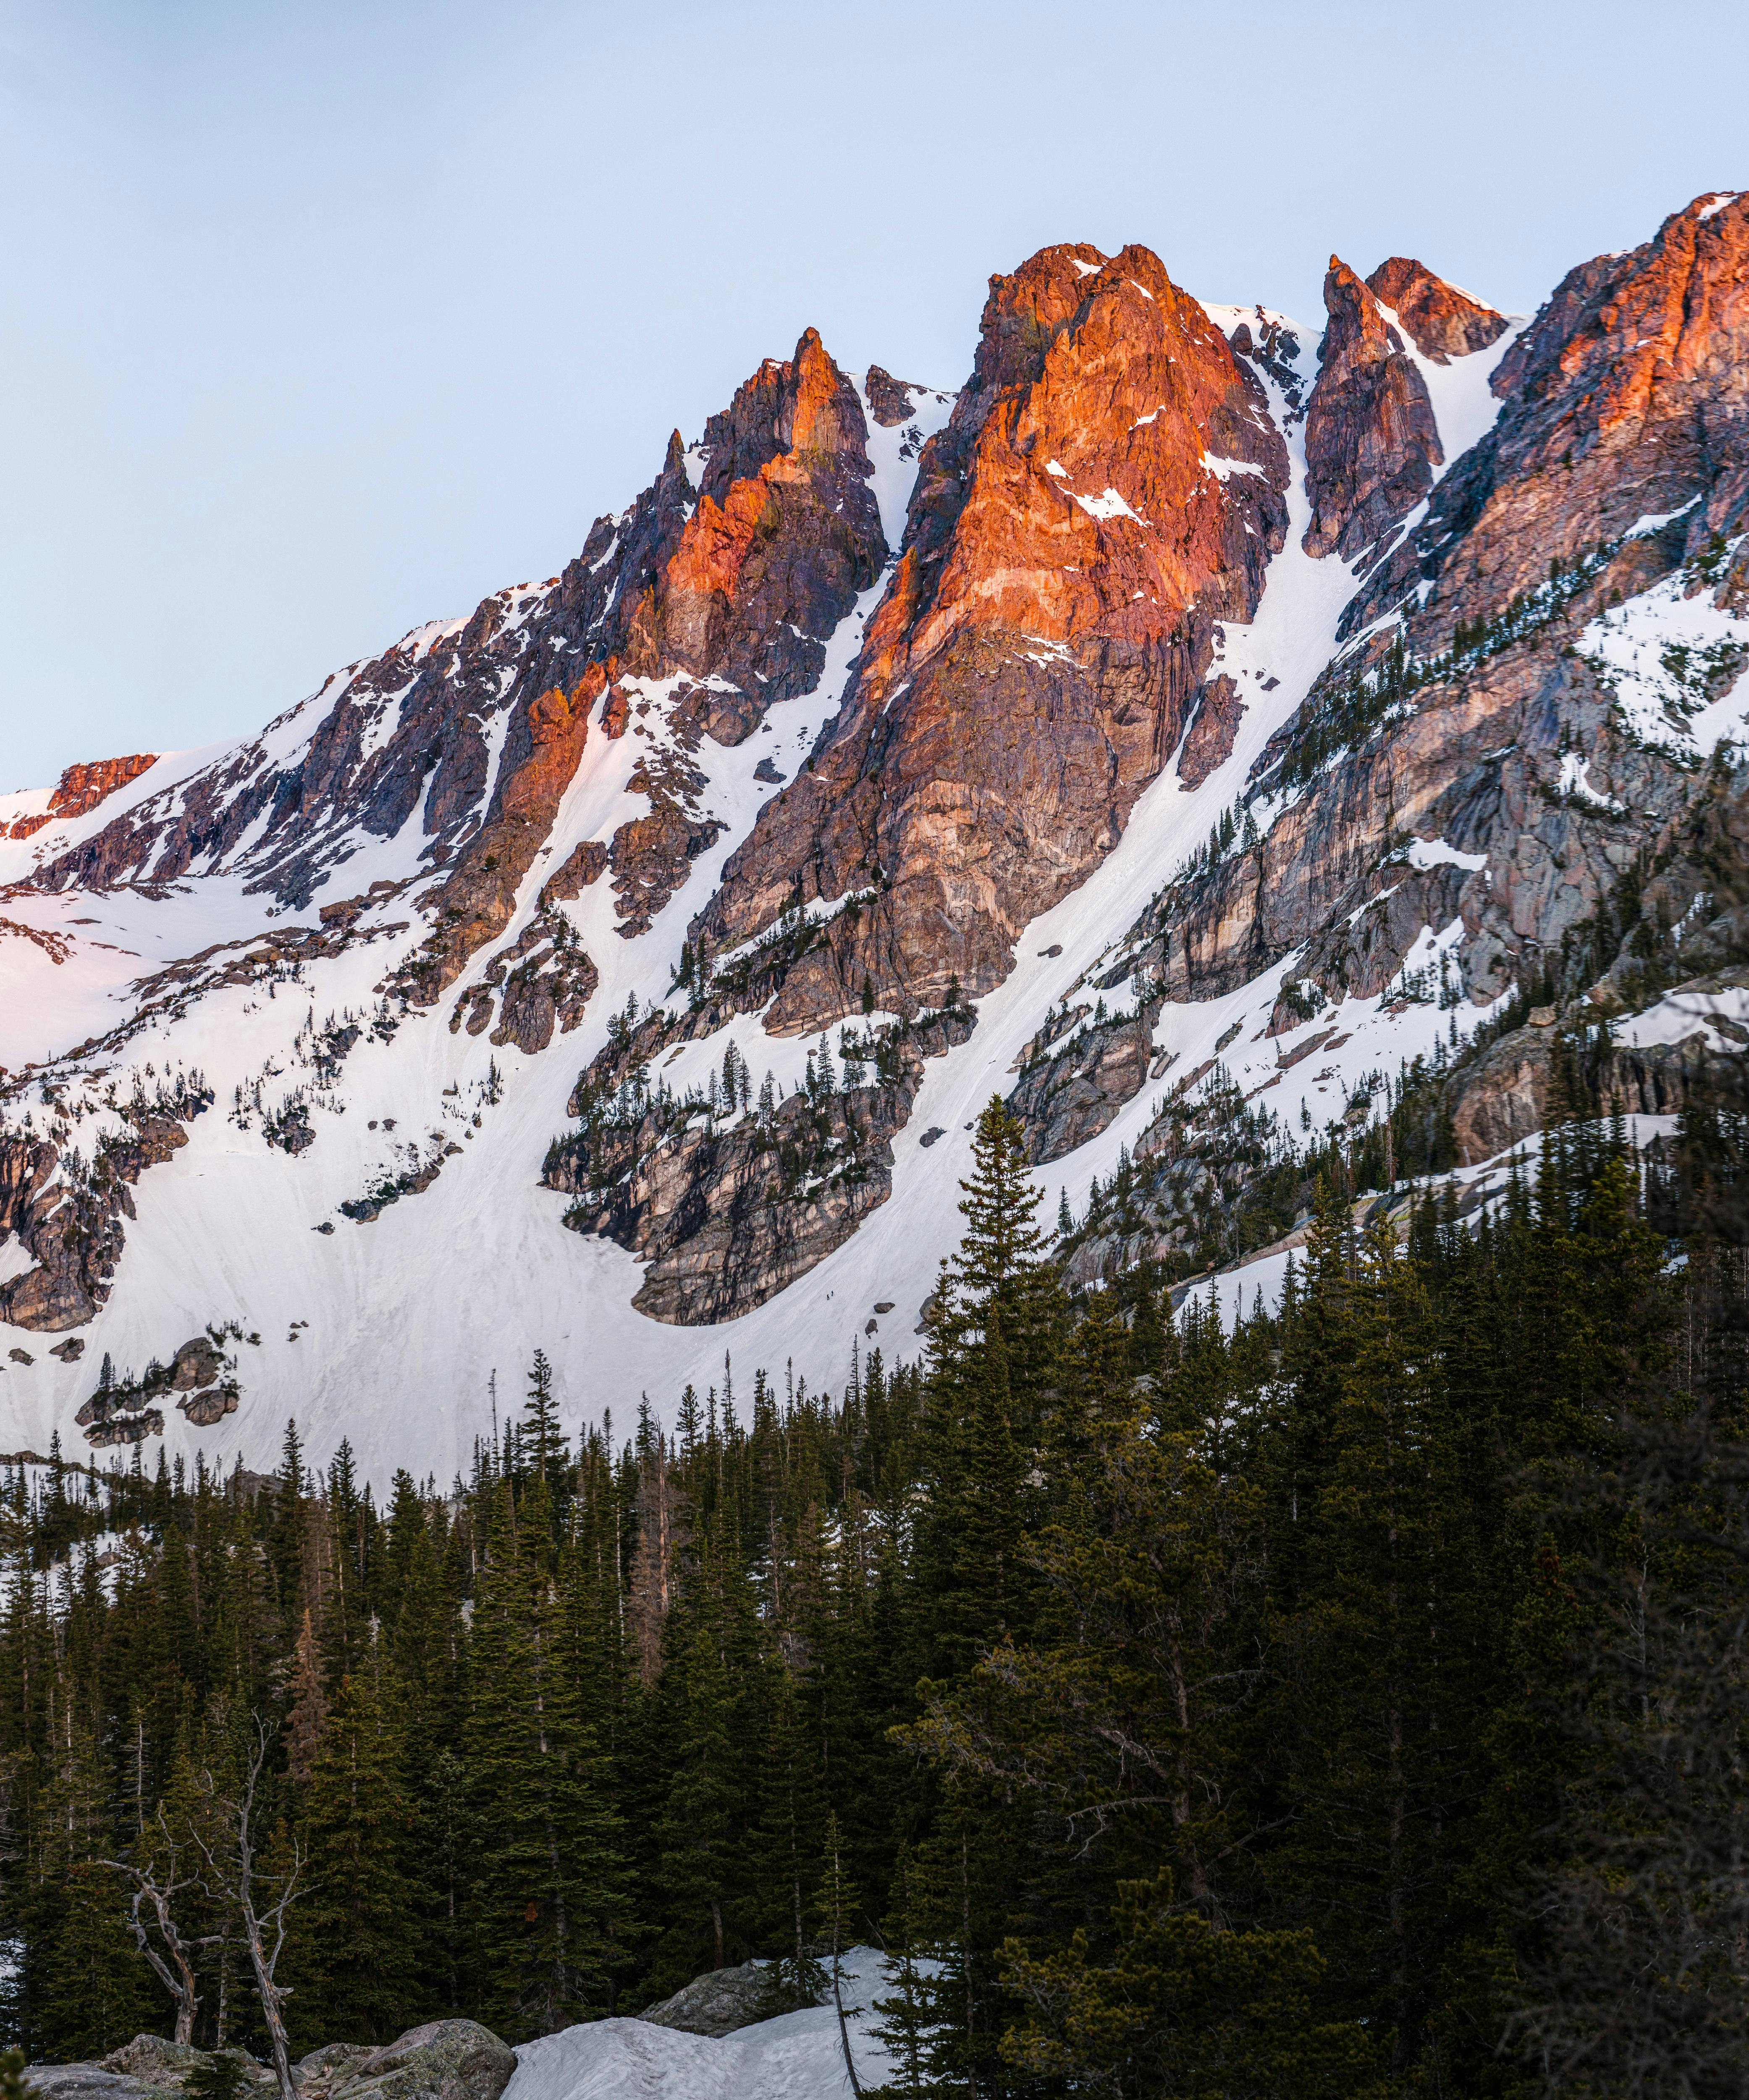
(798, 2056)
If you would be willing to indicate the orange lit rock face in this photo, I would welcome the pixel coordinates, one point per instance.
(1628, 395)
(1443, 322)
(1371, 442)
(82, 787)
(785, 534)
(1109, 488)
(741, 590)
(476, 899)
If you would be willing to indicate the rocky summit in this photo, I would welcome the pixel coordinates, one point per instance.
(1223, 736)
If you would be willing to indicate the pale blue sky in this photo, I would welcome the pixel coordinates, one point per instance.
(318, 320)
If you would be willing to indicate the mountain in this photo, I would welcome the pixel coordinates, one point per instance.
(1245, 748)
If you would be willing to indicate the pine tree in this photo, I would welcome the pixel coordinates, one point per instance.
(355, 1953)
(546, 1874)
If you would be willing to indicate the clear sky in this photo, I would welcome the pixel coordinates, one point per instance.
(318, 320)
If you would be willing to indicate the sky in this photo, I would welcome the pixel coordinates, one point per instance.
(317, 321)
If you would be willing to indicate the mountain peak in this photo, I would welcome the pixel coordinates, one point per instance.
(1443, 322)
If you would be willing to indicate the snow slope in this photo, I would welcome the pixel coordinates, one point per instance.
(798, 2057)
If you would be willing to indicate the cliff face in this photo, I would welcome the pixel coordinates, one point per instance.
(1371, 442)
(1180, 729)
(1109, 487)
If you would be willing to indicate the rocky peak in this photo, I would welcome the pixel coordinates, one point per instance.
(785, 534)
(1441, 322)
(1372, 441)
(1626, 398)
(889, 400)
(1109, 486)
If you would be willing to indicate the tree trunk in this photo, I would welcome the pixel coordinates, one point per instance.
(272, 1999)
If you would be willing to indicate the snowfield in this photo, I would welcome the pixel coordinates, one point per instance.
(798, 2057)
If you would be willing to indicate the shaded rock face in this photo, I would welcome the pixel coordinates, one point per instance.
(70, 1217)
(1209, 741)
(1070, 1093)
(1109, 488)
(889, 400)
(1372, 442)
(1443, 322)
(731, 1211)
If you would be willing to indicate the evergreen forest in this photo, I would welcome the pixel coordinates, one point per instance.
(1345, 1701)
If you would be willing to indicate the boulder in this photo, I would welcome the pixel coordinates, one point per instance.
(442, 2060)
(85, 2081)
(162, 2067)
(714, 2004)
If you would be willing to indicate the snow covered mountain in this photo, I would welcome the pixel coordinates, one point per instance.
(1174, 730)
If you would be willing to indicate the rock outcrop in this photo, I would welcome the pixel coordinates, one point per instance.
(1443, 322)
(442, 2060)
(67, 1212)
(719, 2003)
(1372, 441)
(730, 1196)
(80, 788)
(1109, 486)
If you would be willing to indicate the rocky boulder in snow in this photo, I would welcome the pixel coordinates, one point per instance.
(442, 2060)
(717, 2003)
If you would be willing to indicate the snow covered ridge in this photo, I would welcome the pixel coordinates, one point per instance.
(290, 1027)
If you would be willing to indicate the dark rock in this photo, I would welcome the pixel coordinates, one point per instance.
(204, 1408)
(442, 2060)
(717, 2003)
(73, 1228)
(1209, 741)
(70, 1350)
(196, 1363)
(729, 1215)
(126, 1429)
(582, 866)
(1065, 1098)
(1372, 442)
(767, 772)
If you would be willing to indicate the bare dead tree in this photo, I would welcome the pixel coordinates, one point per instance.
(235, 1873)
(161, 1892)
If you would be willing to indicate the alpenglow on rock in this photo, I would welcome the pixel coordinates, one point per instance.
(1190, 721)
